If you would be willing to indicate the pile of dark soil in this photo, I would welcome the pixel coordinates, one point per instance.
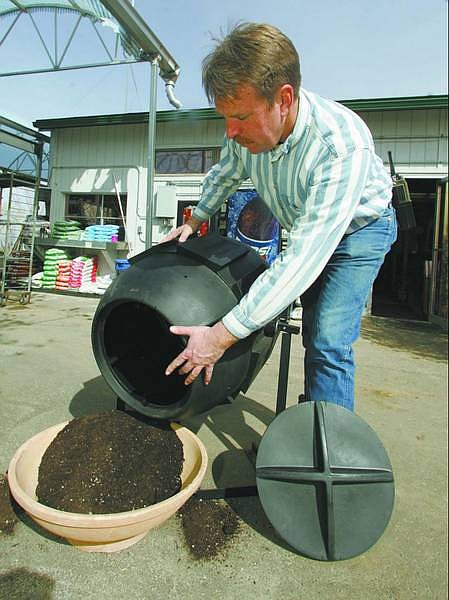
(110, 462)
(8, 517)
(208, 527)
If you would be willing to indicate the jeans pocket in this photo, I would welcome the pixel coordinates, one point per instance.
(373, 240)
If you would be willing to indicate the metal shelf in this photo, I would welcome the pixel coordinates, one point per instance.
(96, 245)
(107, 252)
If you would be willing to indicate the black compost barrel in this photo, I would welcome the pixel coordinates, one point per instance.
(193, 283)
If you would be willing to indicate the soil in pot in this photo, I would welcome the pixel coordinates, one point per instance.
(110, 462)
(208, 527)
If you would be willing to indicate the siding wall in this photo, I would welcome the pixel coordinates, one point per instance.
(90, 159)
(417, 139)
(197, 134)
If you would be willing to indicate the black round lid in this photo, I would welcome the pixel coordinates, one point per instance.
(325, 481)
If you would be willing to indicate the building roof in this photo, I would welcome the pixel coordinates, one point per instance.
(361, 105)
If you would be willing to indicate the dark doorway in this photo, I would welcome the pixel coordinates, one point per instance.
(403, 285)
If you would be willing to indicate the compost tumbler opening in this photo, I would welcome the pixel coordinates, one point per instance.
(138, 347)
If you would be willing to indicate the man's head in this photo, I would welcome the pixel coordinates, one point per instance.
(253, 76)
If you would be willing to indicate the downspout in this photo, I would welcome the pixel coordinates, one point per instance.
(150, 157)
(171, 96)
(169, 85)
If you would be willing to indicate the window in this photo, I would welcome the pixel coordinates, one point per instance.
(185, 161)
(96, 209)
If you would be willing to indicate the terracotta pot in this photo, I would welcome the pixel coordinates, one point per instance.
(100, 532)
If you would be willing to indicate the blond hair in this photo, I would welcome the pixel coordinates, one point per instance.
(254, 54)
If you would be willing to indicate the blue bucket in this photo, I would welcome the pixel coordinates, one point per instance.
(121, 264)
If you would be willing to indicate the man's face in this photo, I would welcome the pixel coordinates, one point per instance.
(251, 121)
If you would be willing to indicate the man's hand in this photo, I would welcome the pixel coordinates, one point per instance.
(183, 231)
(205, 347)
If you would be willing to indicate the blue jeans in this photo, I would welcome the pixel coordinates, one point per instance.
(333, 308)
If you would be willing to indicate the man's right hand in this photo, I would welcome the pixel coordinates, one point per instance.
(183, 231)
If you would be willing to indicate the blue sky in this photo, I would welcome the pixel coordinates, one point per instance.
(349, 49)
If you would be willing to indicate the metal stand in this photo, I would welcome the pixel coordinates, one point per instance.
(287, 330)
(120, 405)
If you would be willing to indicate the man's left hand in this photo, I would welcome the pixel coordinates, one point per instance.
(204, 349)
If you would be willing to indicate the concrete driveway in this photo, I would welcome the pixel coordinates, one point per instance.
(48, 375)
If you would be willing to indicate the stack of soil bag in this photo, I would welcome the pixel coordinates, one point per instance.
(63, 277)
(66, 230)
(53, 256)
(101, 233)
(82, 270)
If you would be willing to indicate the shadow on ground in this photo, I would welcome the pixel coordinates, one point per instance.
(235, 466)
(23, 584)
(232, 469)
(96, 396)
(419, 338)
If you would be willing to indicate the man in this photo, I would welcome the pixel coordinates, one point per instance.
(313, 163)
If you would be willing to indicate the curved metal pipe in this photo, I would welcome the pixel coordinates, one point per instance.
(171, 96)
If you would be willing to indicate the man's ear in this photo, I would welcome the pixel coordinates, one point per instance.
(286, 98)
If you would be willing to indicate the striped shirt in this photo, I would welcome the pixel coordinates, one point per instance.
(323, 182)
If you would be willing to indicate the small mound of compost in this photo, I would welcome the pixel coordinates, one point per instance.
(208, 527)
(110, 462)
(8, 517)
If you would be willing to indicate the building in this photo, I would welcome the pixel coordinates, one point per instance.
(99, 167)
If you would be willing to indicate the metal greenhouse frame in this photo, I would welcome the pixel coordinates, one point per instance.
(134, 42)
